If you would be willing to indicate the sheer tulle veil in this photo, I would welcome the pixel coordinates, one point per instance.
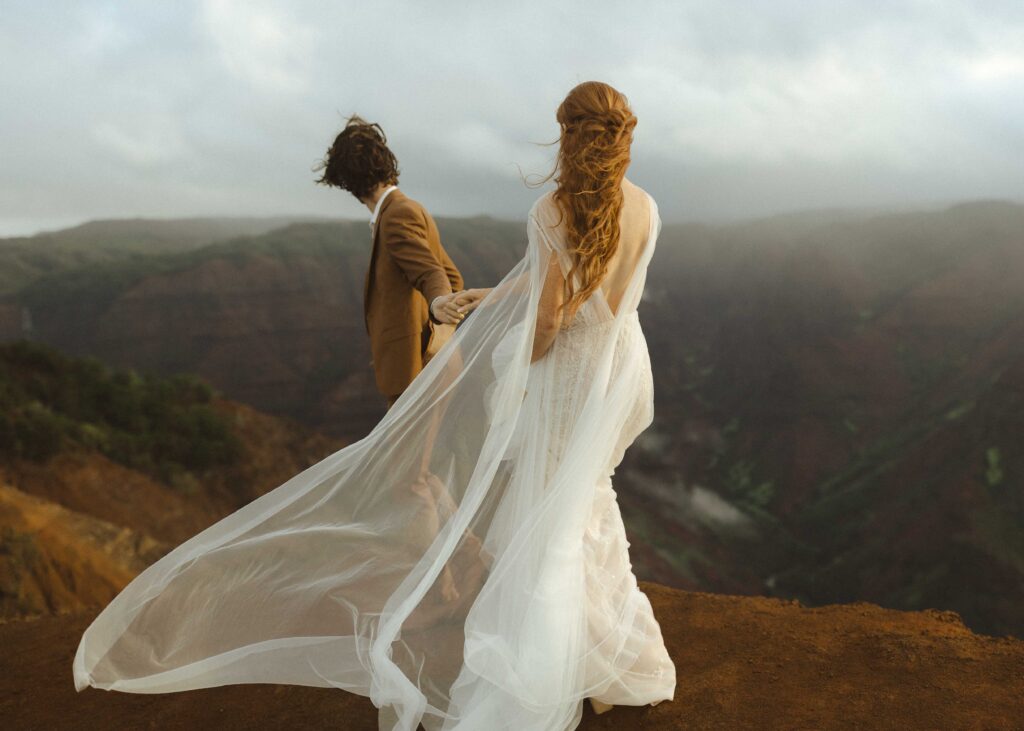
(436, 564)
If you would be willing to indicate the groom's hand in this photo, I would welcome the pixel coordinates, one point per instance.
(445, 310)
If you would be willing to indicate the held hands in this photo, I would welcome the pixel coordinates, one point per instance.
(452, 308)
(445, 309)
(468, 299)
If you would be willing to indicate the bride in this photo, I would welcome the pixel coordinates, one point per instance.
(464, 565)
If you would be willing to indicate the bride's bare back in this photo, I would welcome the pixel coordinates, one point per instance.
(634, 230)
(634, 222)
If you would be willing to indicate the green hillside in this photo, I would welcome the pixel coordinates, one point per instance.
(481, 246)
(26, 258)
(165, 427)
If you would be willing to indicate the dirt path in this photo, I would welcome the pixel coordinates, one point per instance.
(742, 663)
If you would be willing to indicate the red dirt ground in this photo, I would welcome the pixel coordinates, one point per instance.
(742, 663)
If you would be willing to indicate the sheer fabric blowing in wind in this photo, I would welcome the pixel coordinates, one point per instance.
(463, 565)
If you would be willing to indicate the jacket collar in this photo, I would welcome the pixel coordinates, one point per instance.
(380, 203)
(386, 200)
(384, 203)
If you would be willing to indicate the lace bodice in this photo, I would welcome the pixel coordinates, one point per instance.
(569, 367)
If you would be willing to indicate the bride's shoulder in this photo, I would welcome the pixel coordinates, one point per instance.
(632, 190)
(639, 200)
(544, 205)
(546, 219)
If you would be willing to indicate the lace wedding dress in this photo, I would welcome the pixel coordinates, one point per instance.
(465, 565)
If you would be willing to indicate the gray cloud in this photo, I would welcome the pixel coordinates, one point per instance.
(223, 106)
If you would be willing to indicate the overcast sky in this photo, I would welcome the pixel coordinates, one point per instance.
(213, 107)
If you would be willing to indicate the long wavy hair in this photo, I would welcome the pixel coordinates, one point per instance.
(593, 153)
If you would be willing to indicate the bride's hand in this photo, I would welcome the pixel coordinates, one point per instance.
(467, 300)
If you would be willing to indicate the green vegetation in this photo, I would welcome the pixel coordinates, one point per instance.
(165, 427)
(994, 469)
(740, 482)
(738, 477)
(94, 284)
(697, 369)
(657, 537)
(23, 260)
(959, 410)
(923, 371)
(998, 531)
(920, 584)
(731, 427)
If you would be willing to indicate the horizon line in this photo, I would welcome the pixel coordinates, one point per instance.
(720, 220)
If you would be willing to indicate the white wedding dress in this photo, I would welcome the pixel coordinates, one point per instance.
(465, 565)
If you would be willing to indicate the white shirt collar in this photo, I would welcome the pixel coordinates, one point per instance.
(380, 202)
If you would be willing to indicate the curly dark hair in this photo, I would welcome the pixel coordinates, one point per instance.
(359, 159)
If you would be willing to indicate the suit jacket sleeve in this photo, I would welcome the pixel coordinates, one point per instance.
(405, 239)
(454, 275)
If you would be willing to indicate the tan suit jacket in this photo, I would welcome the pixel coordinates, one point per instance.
(408, 269)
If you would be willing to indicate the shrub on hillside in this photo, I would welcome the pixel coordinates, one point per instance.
(164, 426)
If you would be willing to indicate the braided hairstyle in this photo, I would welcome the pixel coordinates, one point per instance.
(359, 159)
(596, 133)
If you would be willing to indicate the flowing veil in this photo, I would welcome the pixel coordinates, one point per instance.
(436, 565)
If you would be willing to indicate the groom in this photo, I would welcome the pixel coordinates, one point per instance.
(411, 294)
(413, 299)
